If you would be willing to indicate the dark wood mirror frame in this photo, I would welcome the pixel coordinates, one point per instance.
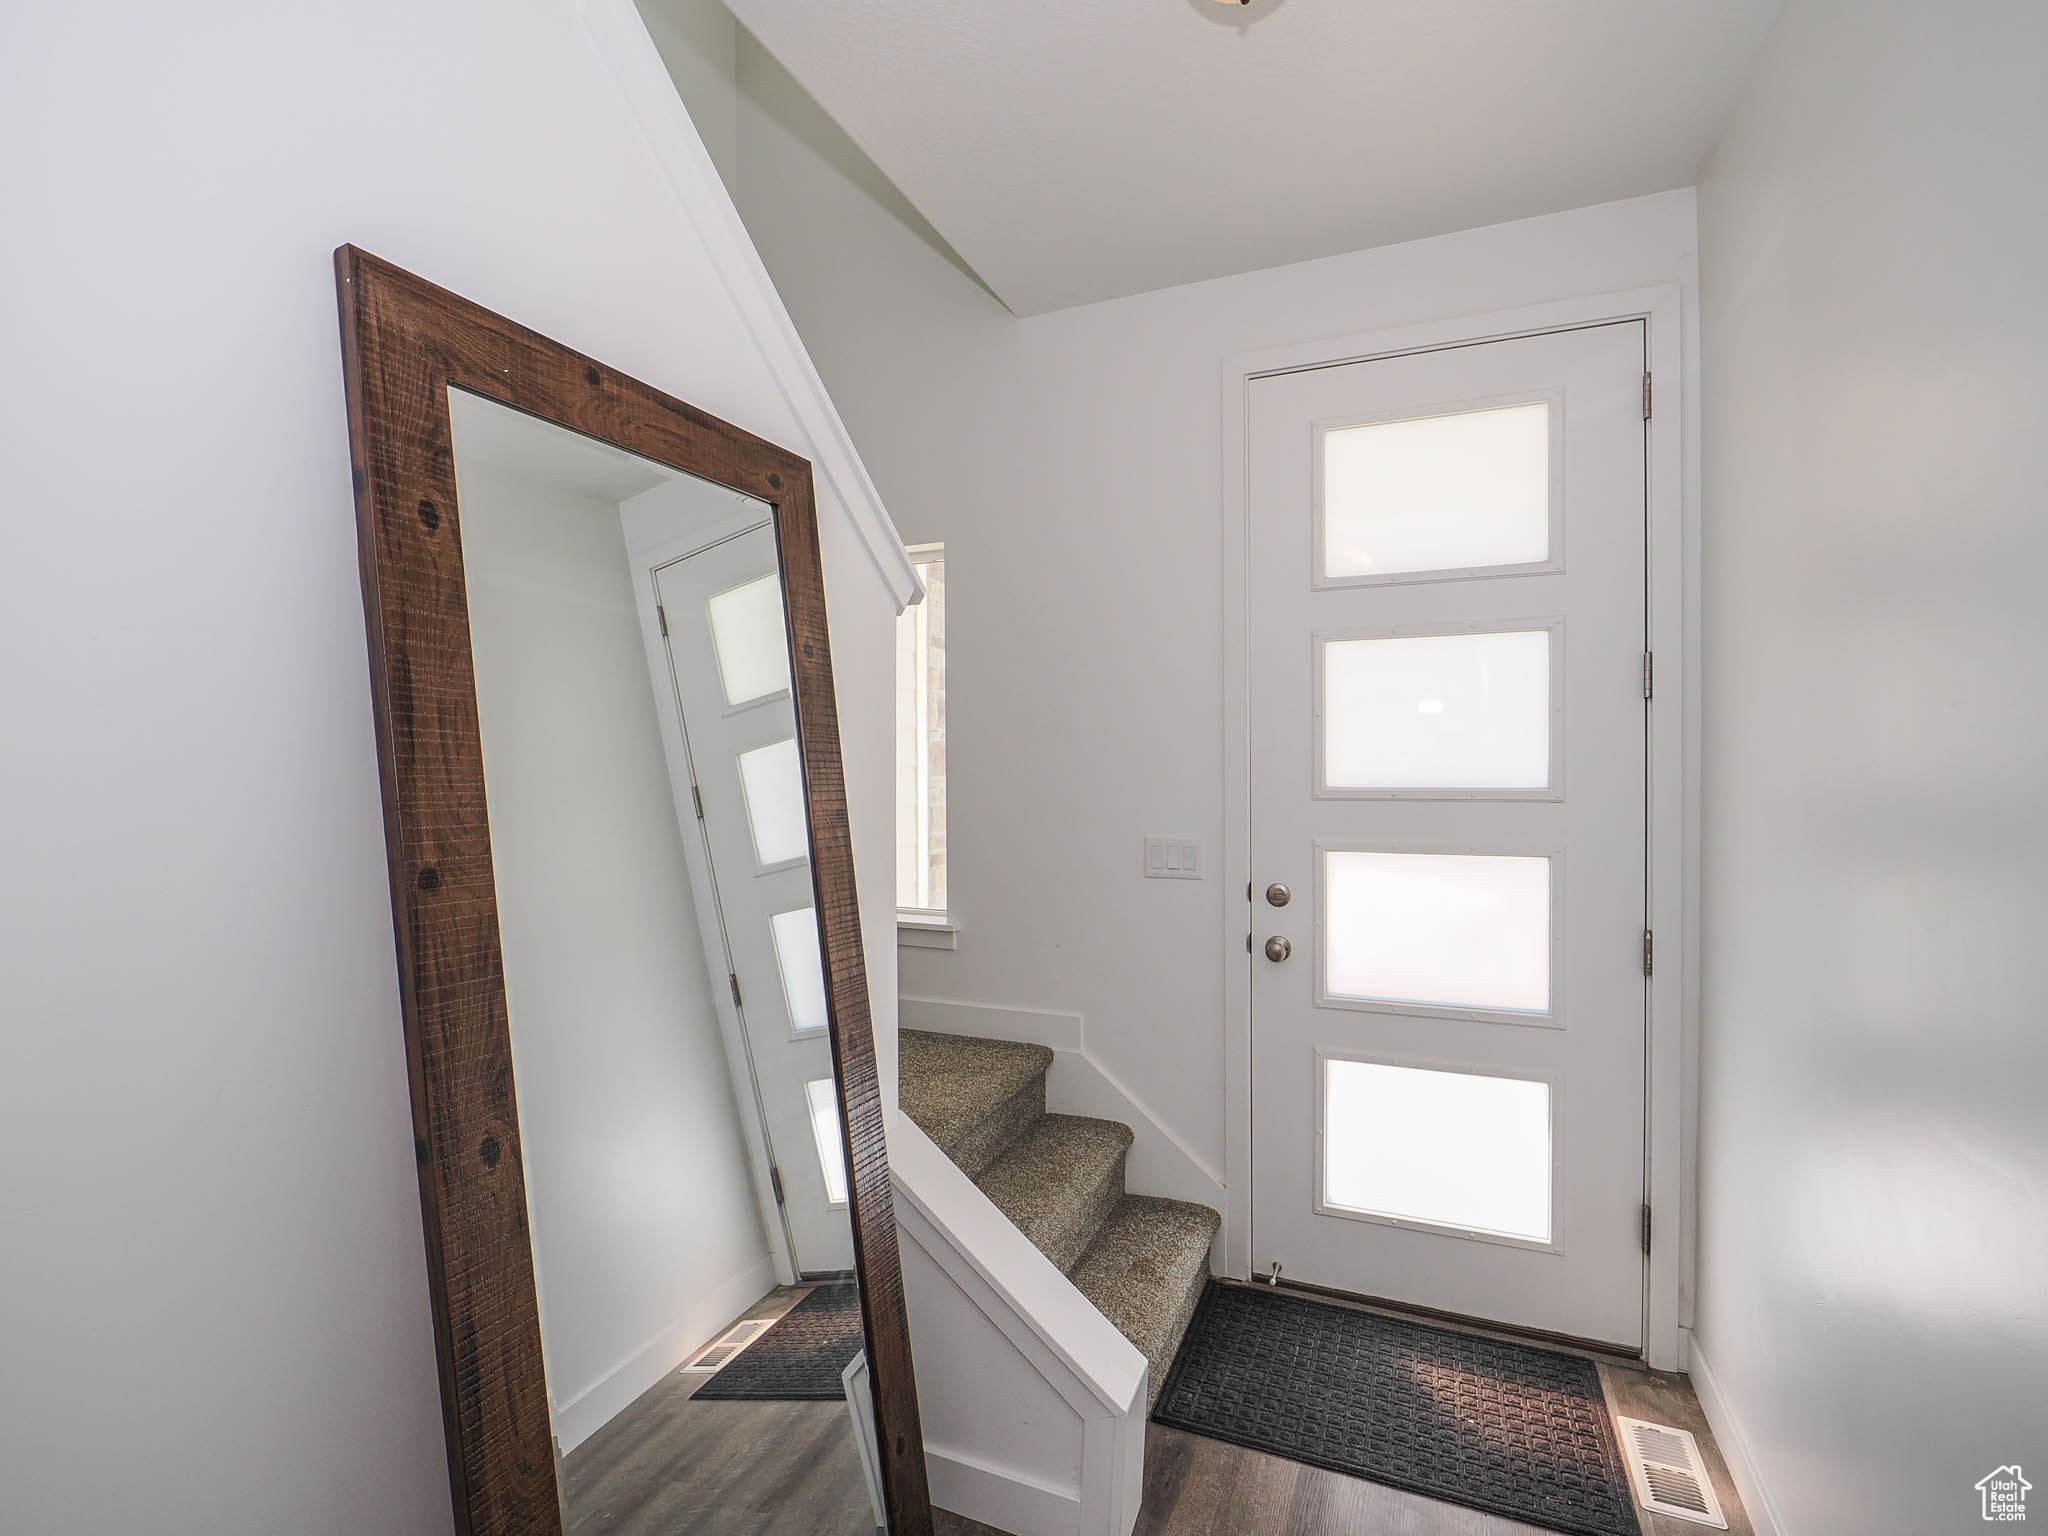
(404, 342)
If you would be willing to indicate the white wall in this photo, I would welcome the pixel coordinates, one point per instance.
(213, 1271)
(1072, 464)
(645, 1235)
(1874, 1228)
(699, 43)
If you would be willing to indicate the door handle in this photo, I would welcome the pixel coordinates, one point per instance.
(1278, 948)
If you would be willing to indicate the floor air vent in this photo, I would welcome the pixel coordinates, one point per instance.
(1669, 1477)
(737, 1338)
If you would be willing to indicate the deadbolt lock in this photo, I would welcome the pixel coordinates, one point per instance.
(1278, 895)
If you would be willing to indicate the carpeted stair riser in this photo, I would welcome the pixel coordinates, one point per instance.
(973, 1097)
(989, 1138)
(1060, 1181)
(1155, 1381)
(1145, 1271)
(1142, 1262)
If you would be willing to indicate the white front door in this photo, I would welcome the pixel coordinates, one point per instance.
(728, 654)
(1448, 731)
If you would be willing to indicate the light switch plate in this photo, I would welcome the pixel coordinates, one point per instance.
(1173, 858)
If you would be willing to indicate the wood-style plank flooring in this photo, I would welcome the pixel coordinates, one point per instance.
(668, 1465)
(671, 1466)
(1195, 1486)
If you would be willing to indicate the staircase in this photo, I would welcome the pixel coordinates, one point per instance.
(1060, 1179)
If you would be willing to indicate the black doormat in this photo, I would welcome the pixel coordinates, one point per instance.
(800, 1357)
(1512, 1430)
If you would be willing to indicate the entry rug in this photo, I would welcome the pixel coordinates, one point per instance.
(1506, 1428)
(800, 1357)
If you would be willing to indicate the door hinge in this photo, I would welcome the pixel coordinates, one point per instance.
(734, 979)
(697, 799)
(1646, 397)
(661, 613)
(1649, 951)
(1649, 675)
(1646, 1226)
(775, 1183)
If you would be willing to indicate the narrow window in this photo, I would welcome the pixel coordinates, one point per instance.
(921, 746)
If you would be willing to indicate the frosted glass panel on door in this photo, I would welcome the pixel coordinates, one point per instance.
(1452, 1149)
(1437, 712)
(803, 968)
(774, 784)
(1438, 492)
(1448, 930)
(824, 1103)
(746, 631)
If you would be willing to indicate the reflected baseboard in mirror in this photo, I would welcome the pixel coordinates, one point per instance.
(601, 612)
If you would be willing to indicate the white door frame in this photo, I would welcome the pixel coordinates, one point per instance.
(1671, 1047)
(739, 1057)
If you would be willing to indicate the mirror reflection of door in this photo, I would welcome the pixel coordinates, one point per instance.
(720, 615)
(664, 996)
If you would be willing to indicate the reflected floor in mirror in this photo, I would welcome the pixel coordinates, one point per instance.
(673, 1462)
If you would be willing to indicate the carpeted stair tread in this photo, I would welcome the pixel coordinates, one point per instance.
(1145, 1270)
(972, 1097)
(1059, 1181)
(1142, 1262)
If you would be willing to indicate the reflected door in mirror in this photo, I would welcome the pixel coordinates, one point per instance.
(678, 1112)
(721, 613)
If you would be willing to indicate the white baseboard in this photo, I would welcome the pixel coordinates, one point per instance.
(599, 1403)
(985, 1021)
(1078, 1084)
(1734, 1444)
(1159, 1164)
(1008, 1501)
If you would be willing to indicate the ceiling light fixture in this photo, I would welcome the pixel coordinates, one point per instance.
(1238, 15)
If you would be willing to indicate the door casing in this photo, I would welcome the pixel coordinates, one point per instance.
(646, 560)
(1671, 1043)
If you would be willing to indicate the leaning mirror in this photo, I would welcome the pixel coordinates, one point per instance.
(649, 1135)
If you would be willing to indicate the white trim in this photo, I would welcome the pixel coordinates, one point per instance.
(858, 1386)
(1733, 1445)
(1670, 1106)
(1014, 1285)
(1159, 1162)
(991, 1267)
(704, 1320)
(1052, 1028)
(966, 1485)
(922, 931)
(619, 38)
(761, 1157)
